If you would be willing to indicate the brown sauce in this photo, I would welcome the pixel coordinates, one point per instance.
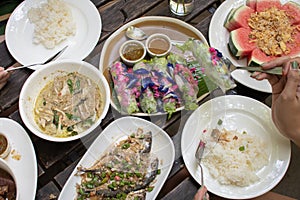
(158, 46)
(133, 52)
(3, 144)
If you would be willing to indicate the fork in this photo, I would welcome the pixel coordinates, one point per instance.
(52, 58)
(199, 156)
(232, 67)
(214, 137)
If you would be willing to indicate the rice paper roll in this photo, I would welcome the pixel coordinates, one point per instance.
(147, 101)
(123, 81)
(215, 67)
(187, 85)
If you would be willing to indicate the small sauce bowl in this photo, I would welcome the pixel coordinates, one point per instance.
(4, 146)
(132, 51)
(8, 173)
(158, 45)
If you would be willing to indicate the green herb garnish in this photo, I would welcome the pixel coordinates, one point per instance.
(220, 122)
(70, 85)
(125, 146)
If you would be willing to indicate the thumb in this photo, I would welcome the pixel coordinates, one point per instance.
(293, 79)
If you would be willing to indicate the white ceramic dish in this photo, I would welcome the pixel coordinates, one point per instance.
(175, 29)
(25, 169)
(243, 77)
(219, 37)
(162, 147)
(4, 166)
(37, 81)
(241, 114)
(19, 33)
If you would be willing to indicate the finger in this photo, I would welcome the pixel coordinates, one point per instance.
(293, 79)
(259, 76)
(275, 63)
(201, 193)
(273, 79)
(3, 74)
(286, 66)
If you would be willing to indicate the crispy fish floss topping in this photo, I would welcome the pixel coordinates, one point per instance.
(272, 31)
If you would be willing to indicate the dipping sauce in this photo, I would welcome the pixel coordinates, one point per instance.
(4, 146)
(158, 45)
(133, 51)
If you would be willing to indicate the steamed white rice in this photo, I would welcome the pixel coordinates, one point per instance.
(236, 158)
(53, 23)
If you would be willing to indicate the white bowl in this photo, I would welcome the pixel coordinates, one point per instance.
(132, 46)
(158, 45)
(9, 170)
(38, 79)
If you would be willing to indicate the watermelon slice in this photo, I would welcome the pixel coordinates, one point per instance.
(251, 4)
(292, 9)
(238, 18)
(294, 46)
(262, 5)
(227, 21)
(258, 57)
(239, 44)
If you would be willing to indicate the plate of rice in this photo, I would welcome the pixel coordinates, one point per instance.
(37, 30)
(249, 157)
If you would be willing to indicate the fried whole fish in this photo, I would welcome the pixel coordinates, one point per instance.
(125, 171)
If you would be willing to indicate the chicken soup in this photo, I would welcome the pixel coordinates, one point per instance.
(68, 105)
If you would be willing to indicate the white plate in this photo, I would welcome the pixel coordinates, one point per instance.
(174, 28)
(219, 37)
(26, 168)
(19, 34)
(243, 77)
(242, 114)
(162, 147)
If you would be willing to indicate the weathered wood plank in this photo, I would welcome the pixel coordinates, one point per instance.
(48, 191)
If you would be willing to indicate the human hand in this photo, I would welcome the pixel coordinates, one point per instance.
(4, 75)
(201, 194)
(285, 96)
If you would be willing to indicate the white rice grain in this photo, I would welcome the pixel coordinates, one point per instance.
(53, 23)
(236, 158)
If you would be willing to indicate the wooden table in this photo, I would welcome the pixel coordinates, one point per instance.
(56, 160)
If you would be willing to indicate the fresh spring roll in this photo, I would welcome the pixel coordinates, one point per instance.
(215, 66)
(147, 100)
(123, 87)
(187, 85)
(167, 88)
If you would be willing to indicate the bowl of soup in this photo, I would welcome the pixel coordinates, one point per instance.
(8, 183)
(65, 100)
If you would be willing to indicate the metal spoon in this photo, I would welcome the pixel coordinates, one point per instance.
(135, 33)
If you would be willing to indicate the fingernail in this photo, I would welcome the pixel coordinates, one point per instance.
(294, 65)
(253, 75)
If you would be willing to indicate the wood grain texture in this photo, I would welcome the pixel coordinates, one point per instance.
(56, 161)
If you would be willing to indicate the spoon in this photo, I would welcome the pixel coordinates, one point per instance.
(136, 33)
